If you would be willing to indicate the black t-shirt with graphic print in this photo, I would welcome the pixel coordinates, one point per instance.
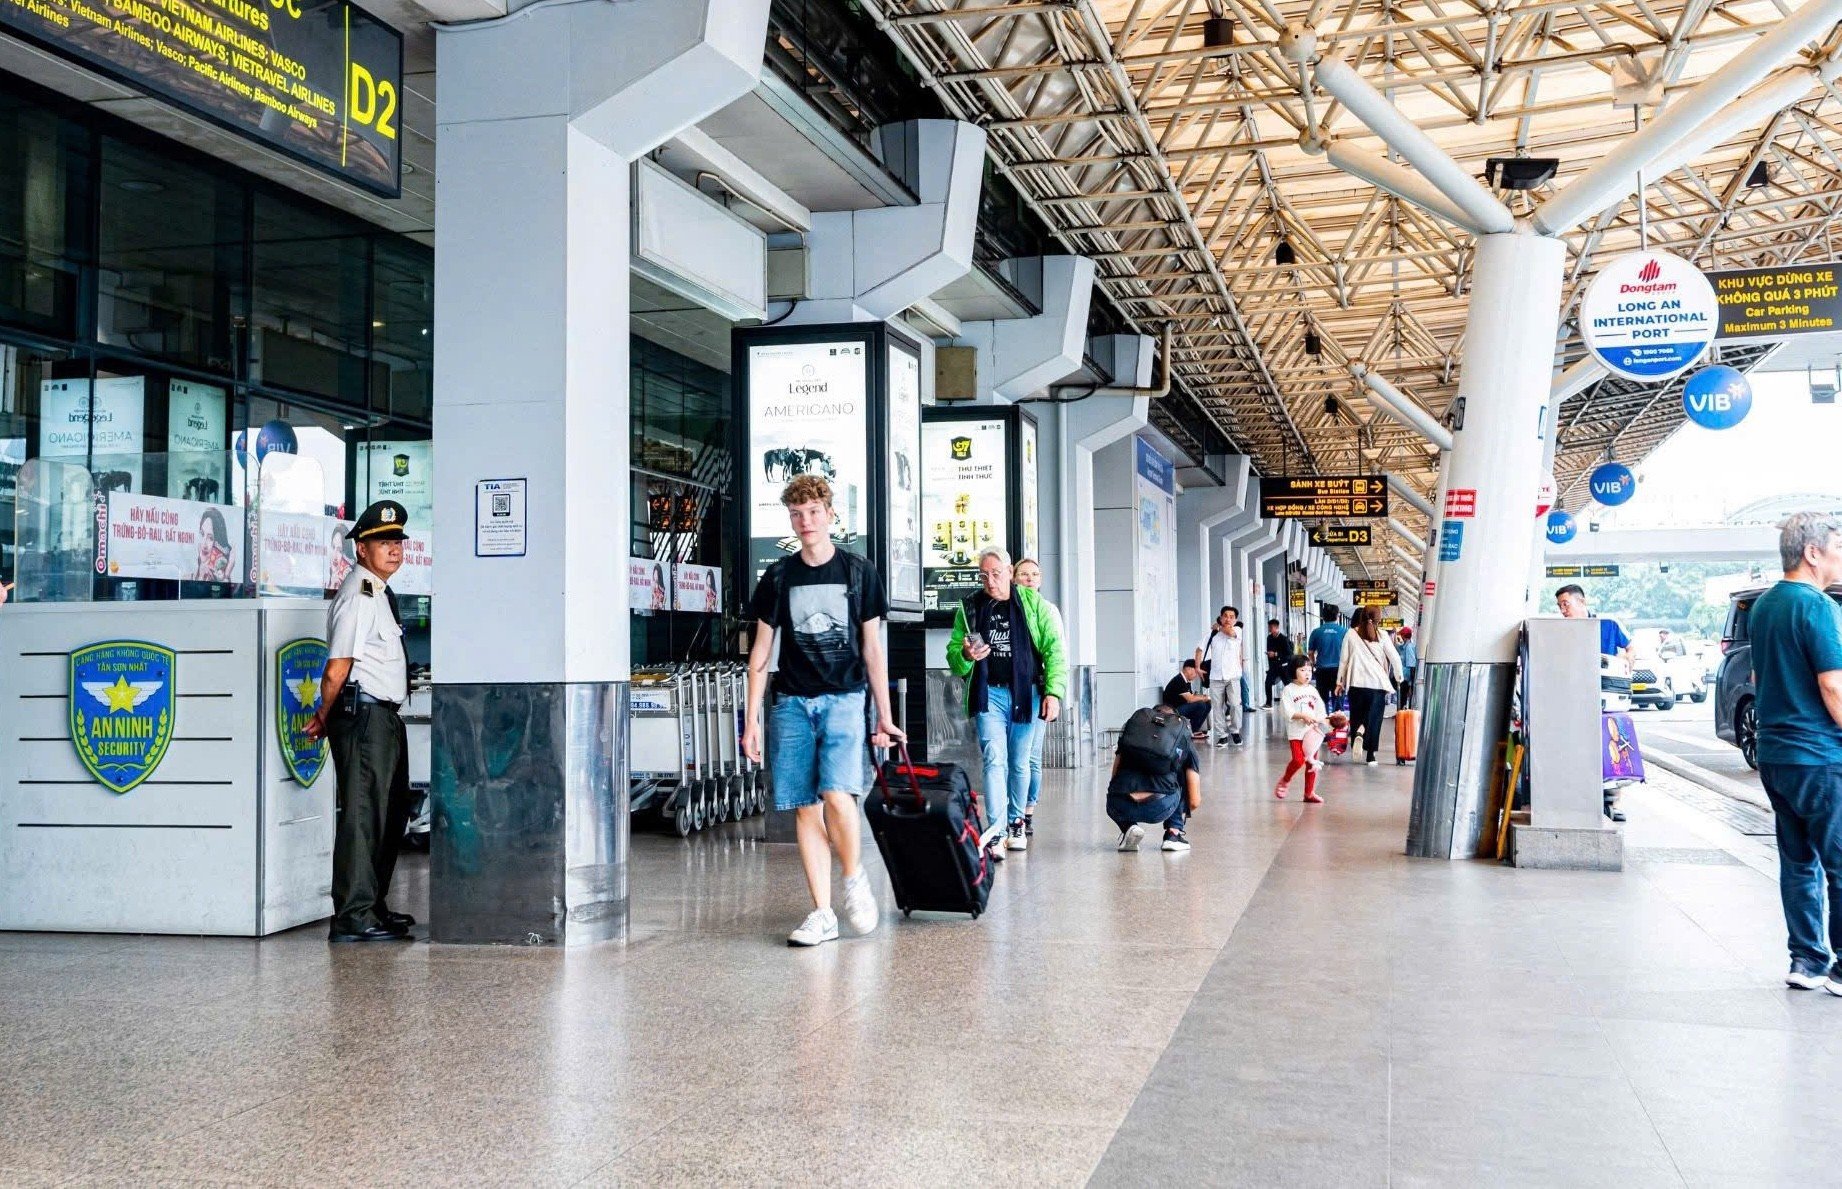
(817, 613)
(998, 635)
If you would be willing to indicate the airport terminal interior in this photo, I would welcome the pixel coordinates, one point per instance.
(431, 615)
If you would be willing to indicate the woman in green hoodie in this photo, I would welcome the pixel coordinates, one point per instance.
(1008, 646)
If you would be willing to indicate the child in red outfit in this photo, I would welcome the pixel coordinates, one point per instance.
(1306, 726)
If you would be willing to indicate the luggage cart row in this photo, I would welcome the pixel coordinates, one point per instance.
(687, 764)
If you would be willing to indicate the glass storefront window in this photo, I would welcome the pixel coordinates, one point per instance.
(40, 227)
(308, 320)
(169, 259)
(23, 378)
(402, 332)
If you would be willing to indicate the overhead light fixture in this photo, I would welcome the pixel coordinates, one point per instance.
(1760, 177)
(1283, 254)
(1331, 408)
(1217, 32)
(1521, 173)
(1314, 346)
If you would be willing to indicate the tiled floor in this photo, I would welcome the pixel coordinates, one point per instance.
(1292, 1003)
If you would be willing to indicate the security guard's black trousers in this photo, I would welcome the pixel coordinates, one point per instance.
(373, 766)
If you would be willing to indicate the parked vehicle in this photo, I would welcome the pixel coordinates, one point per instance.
(1663, 670)
(1735, 718)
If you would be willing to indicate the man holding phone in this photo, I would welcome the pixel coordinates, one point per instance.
(1009, 647)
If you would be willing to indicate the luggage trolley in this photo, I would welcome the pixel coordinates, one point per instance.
(658, 761)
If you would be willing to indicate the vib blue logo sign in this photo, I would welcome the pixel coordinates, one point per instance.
(298, 666)
(121, 710)
(1613, 484)
(1717, 397)
(1562, 527)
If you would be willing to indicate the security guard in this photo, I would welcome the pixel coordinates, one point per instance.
(361, 692)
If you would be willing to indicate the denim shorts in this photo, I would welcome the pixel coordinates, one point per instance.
(818, 745)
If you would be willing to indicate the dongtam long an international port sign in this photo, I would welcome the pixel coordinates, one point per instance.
(320, 80)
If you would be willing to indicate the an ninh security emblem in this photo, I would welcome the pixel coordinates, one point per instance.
(121, 710)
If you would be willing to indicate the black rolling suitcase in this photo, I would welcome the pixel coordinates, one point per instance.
(928, 827)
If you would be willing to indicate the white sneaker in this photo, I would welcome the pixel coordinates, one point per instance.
(1131, 838)
(1016, 839)
(860, 907)
(819, 927)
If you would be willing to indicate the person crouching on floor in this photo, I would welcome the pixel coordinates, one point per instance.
(1306, 725)
(1156, 779)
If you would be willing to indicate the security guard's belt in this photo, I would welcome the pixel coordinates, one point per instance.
(365, 699)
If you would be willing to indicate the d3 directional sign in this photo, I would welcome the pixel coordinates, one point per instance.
(1374, 598)
(1323, 497)
(1342, 534)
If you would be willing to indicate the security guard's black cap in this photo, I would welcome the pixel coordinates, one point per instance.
(383, 521)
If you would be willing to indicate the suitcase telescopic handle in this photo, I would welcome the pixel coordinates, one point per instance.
(908, 766)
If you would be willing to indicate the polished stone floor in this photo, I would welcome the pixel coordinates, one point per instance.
(1292, 1003)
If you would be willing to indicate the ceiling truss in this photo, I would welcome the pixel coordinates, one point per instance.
(1181, 167)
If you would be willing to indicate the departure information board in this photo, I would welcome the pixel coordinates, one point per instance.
(1323, 497)
(320, 80)
(1342, 534)
(1774, 302)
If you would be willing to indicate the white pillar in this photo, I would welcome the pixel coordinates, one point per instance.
(1086, 427)
(870, 265)
(540, 119)
(1200, 510)
(1018, 357)
(1505, 380)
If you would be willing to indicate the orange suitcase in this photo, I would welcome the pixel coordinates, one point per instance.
(1406, 736)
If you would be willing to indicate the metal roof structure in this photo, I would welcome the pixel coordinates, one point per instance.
(1181, 143)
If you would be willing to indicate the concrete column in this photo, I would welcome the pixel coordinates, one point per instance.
(539, 121)
(870, 265)
(1200, 511)
(1019, 357)
(1086, 427)
(1136, 612)
(1497, 453)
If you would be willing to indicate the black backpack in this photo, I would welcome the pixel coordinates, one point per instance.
(1153, 741)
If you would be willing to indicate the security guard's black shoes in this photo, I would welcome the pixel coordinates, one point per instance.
(387, 932)
(401, 920)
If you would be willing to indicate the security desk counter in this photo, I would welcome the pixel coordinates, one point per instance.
(152, 774)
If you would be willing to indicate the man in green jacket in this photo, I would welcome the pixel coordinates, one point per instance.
(1008, 645)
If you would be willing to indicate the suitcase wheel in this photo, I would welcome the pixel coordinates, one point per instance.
(907, 913)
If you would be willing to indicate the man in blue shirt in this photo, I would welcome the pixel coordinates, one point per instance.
(1613, 639)
(1326, 648)
(1796, 632)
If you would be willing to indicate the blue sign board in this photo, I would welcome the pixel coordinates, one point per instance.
(1717, 397)
(298, 665)
(1613, 484)
(121, 710)
(1155, 467)
(1451, 540)
(1562, 527)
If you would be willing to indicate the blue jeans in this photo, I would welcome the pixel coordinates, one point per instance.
(1807, 803)
(1007, 748)
(1036, 765)
(1165, 810)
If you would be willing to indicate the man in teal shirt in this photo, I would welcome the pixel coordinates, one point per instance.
(1796, 632)
(1326, 648)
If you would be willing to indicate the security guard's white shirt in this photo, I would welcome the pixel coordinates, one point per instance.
(359, 625)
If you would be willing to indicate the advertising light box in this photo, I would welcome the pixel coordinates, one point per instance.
(966, 497)
(807, 408)
(978, 481)
(904, 474)
(844, 403)
(320, 80)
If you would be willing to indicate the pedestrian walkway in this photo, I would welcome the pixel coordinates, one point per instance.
(1291, 1003)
